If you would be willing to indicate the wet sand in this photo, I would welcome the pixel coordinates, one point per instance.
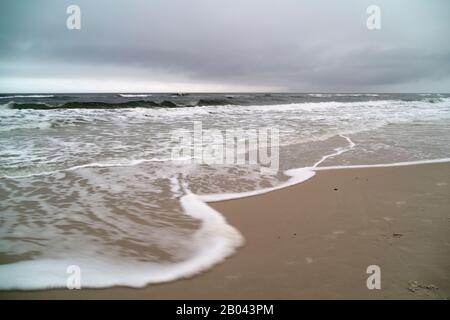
(315, 241)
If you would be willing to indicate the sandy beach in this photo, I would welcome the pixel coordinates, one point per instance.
(315, 240)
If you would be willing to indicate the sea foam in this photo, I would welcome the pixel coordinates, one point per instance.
(28, 96)
(214, 241)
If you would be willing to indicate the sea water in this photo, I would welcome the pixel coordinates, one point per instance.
(90, 179)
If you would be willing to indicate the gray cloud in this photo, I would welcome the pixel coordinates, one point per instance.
(289, 45)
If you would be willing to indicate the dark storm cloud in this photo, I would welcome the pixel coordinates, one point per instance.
(290, 45)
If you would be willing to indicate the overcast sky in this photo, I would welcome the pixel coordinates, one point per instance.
(226, 45)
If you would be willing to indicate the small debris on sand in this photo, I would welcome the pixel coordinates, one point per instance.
(419, 288)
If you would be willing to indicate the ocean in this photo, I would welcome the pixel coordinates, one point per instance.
(92, 180)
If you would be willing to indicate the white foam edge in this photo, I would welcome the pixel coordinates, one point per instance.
(28, 96)
(127, 163)
(300, 175)
(385, 165)
(214, 241)
(297, 176)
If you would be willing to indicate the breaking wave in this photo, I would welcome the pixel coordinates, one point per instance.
(28, 96)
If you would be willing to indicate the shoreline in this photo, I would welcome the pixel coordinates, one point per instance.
(300, 175)
(311, 241)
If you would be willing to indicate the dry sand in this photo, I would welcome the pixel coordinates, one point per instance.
(316, 239)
